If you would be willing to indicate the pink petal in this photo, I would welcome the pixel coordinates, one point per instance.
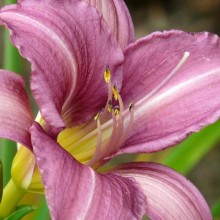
(69, 47)
(15, 114)
(188, 102)
(169, 194)
(116, 14)
(75, 191)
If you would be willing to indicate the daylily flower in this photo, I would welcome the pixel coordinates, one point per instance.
(154, 93)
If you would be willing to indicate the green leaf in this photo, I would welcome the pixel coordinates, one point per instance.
(187, 154)
(7, 151)
(216, 210)
(20, 212)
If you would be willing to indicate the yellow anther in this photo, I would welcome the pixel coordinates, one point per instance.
(109, 107)
(115, 93)
(131, 106)
(116, 111)
(107, 75)
(97, 116)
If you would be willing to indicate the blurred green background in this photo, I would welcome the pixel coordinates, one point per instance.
(198, 157)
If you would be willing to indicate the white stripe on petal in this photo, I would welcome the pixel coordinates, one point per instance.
(49, 32)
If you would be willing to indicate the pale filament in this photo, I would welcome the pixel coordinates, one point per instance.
(129, 127)
(99, 141)
(107, 77)
(112, 143)
(81, 141)
(119, 131)
(117, 126)
(98, 155)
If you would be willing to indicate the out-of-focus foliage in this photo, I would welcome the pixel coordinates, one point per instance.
(20, 212)
(188, 15)
(216, 210)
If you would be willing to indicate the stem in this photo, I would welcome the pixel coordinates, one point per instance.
(7, 152)
(12, 62)
(11, 196)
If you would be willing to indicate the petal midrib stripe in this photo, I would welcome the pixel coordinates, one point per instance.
(145, 105)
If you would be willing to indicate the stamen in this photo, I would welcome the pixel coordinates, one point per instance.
(129, 127)
(121, 105)
(111, 141)
(121, 119)
(107, 75)
(99, 140)
(116, 110)
(118, 127)
(107, 78)
(131, 106)
(115, 93)
(97, 116)
(109, 106)
(117, 131)
(117, 134)
(110, 134)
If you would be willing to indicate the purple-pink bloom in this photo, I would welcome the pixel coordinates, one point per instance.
(156, 92)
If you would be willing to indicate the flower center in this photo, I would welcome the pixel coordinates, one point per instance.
(103, 137)
(119, 129)
(91, 143)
